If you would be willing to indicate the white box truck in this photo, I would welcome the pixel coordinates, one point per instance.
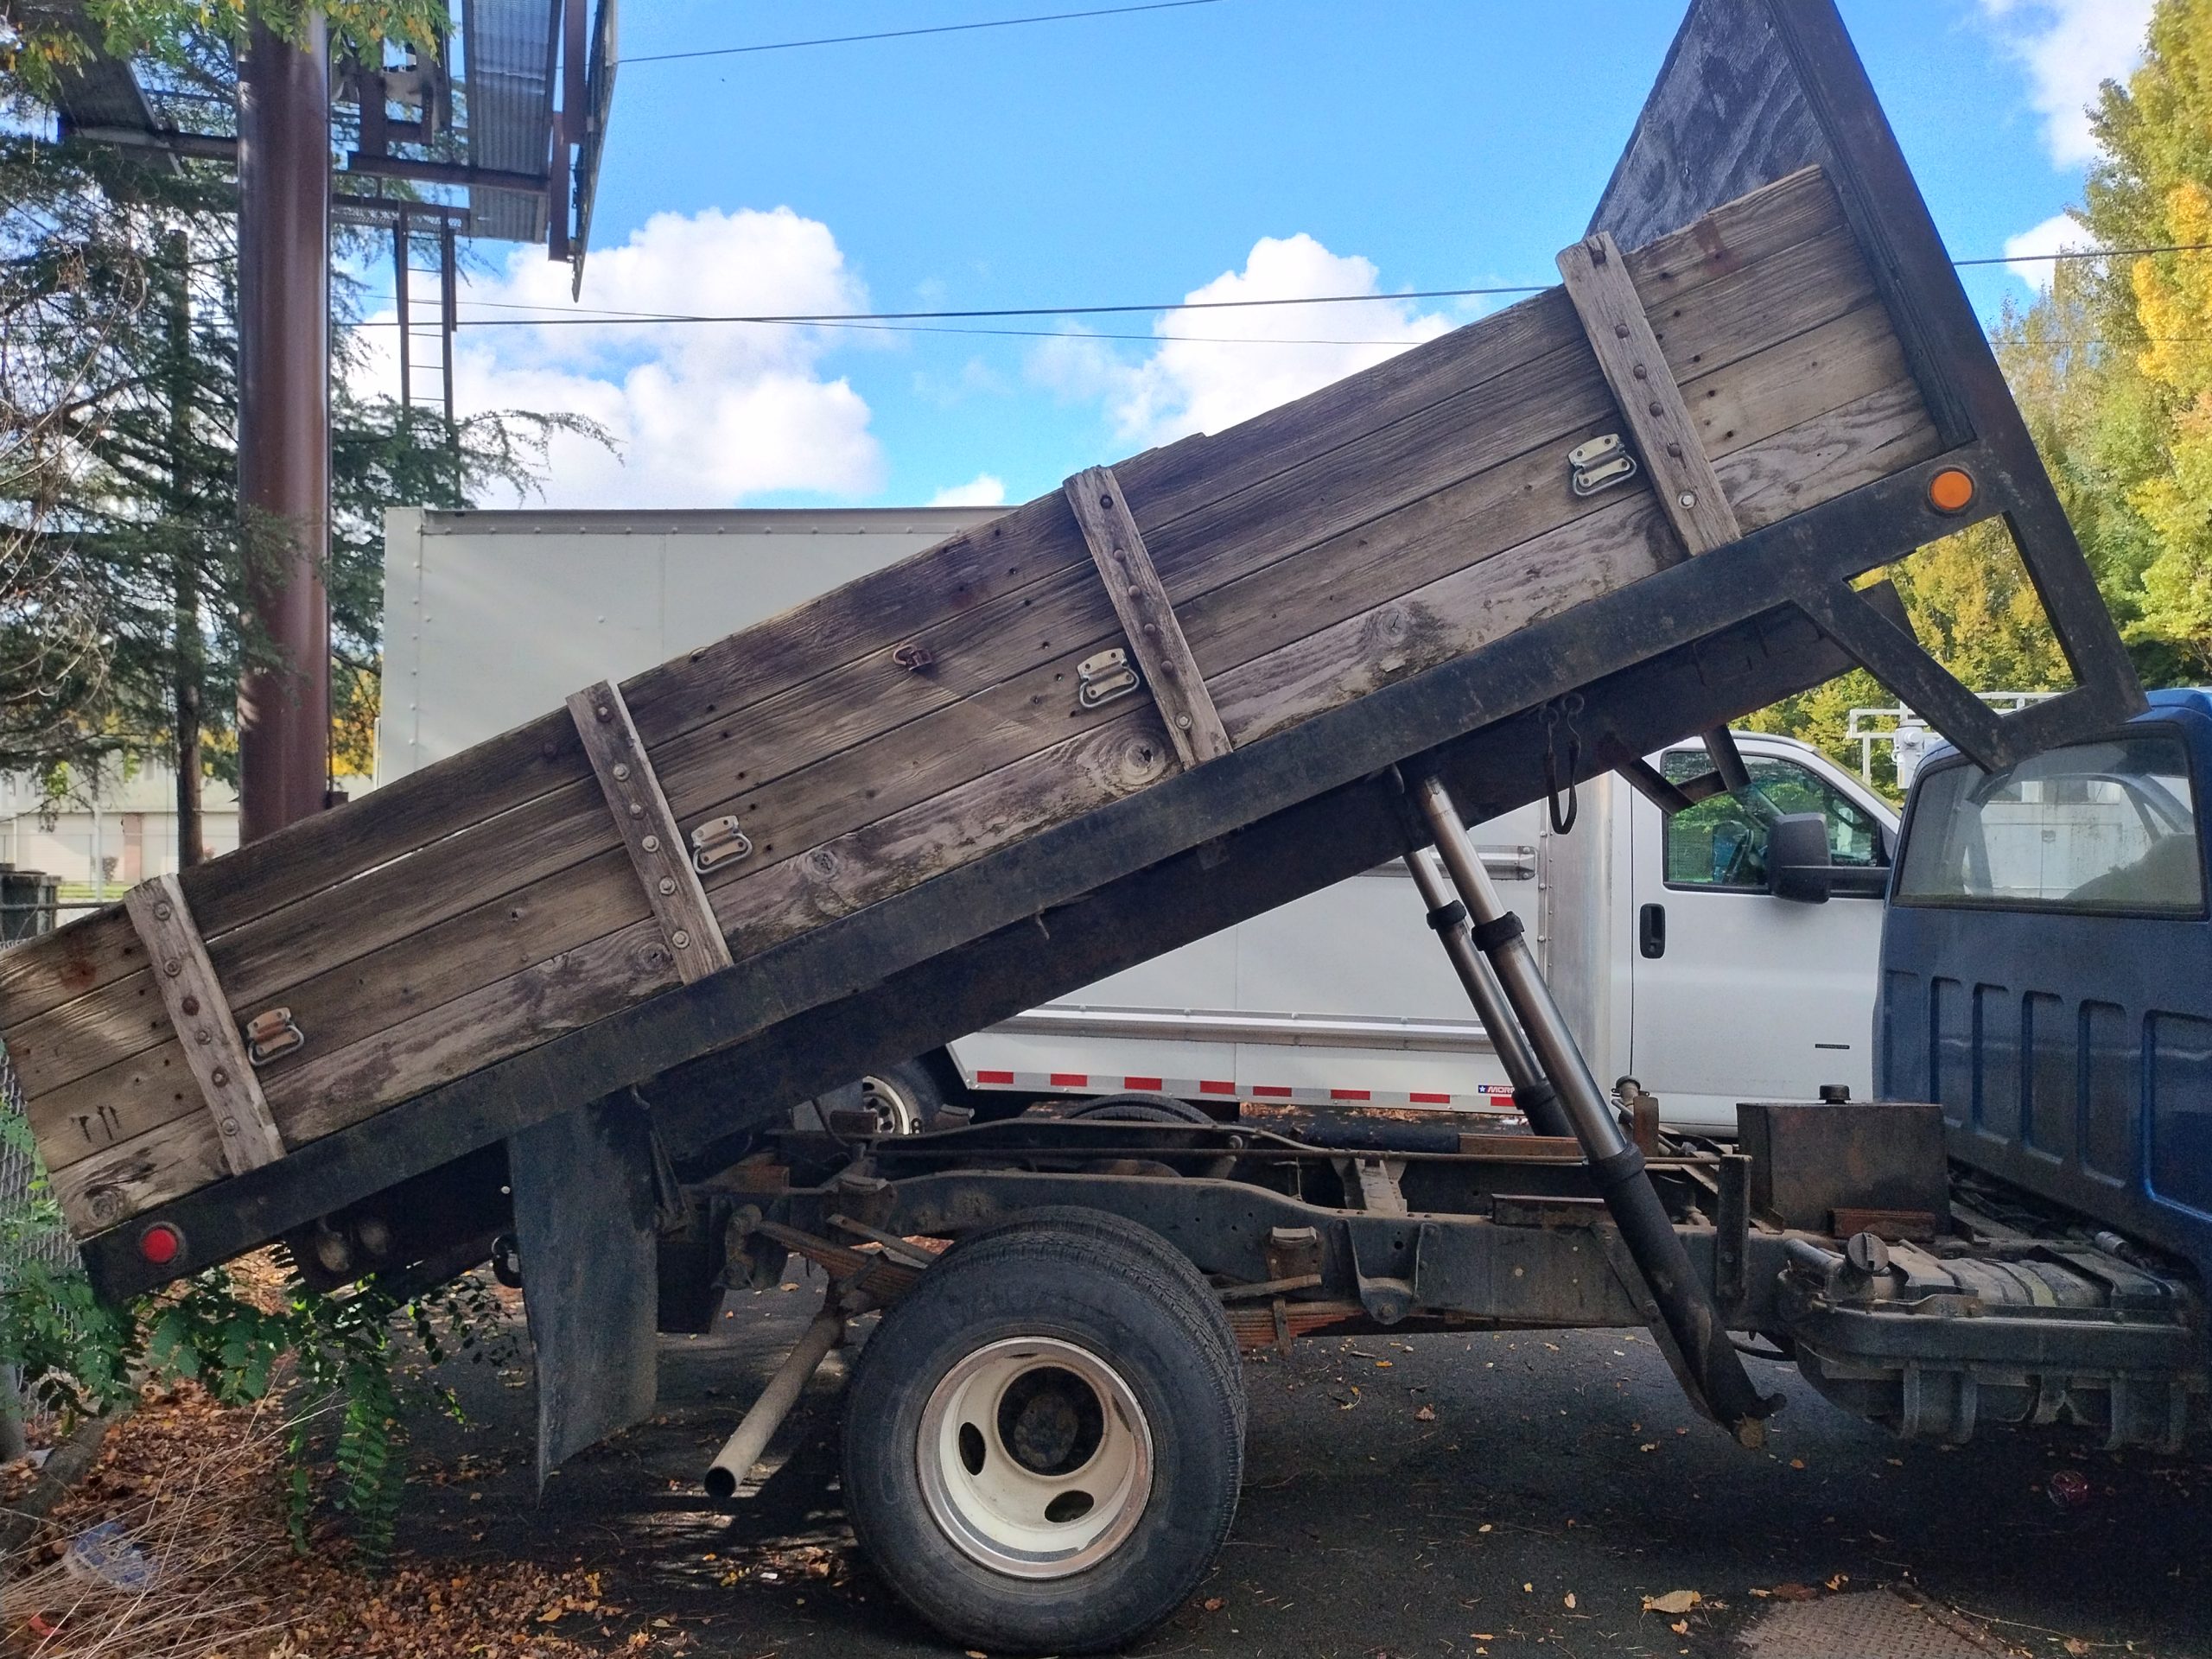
(1676, 963)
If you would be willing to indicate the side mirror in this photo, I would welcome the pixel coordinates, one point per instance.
(1797, 858)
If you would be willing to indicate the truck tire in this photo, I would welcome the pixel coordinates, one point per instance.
(1119, 1237)
(1143, 1109)
(1042, 1443)
(903, 1097)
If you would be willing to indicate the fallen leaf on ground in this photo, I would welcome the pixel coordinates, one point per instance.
(1674, 1601)
(1426, 1415)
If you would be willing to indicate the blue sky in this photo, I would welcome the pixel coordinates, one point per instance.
(1249, 148)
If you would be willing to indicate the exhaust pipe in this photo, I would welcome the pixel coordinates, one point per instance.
(743, 1449)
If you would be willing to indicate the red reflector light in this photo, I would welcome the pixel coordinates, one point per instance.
(161, 1245)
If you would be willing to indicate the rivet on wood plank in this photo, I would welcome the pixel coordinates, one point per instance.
(667, 884)
(636, 810)
(202, 1035)
(1620, 331)
(680, 939)
(230, 1126)
(1641, 372)
(162, 912)
(219, 1077)
(604, 711)
(1658, 408)
(621, 773)
(1688, 498)
(172, 967)
(190, 1005)
(1675, 450)
(650, 843)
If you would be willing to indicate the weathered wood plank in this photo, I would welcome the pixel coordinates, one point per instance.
(497, 1020)
(1011, 555)
(1622, 543)
(1280, 602)
(858, 782)
(447, 797)
(1171, 672)
(1365, 474)
(1874, 438)
(503, 936)
(1644, 386)
(1852, 446)
(649, 831)
(212, 1048)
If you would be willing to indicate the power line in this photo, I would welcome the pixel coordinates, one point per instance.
(2088, 253)
(908, 34)
(895, 321)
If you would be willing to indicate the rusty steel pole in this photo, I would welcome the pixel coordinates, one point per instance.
(284, 420)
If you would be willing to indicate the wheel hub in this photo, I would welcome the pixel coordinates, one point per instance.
(1035, 1458)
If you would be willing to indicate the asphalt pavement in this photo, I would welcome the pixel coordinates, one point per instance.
(1510, 1494)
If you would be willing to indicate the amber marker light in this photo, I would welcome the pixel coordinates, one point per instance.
(1951, 490)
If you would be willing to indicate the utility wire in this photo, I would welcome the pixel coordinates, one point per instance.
(902, 321)
(908, 34)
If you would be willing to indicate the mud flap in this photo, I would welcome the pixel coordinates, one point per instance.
(586, 1222)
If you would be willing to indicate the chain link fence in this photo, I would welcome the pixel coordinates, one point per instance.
(22, 1237)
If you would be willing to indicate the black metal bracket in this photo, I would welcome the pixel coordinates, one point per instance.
(1754, 89)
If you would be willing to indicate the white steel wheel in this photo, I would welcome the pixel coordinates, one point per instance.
(903, 1097)
(1035, 1457)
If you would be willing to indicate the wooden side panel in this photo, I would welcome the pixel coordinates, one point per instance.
(914, 723)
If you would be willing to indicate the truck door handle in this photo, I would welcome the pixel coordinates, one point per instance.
(1651, 929)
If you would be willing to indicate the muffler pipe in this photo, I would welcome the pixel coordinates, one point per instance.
(1714, 1369)
(743, 1449)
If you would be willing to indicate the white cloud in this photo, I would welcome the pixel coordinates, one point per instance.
(1213, 369)
(984, 490)
(704, 414)
(2069, 48)
(2057, 234)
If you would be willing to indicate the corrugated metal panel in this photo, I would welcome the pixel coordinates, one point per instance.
(508, 65)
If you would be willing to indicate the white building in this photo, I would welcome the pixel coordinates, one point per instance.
(112, 830)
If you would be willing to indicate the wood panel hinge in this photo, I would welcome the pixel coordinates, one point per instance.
(649, 834)
(1140, 599)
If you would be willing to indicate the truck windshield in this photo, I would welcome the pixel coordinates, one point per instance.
(2108, 826)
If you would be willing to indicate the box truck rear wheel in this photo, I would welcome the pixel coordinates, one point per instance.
(1043, 1442)
(903, 1097)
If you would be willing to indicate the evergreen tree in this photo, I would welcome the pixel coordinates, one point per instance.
(124, 624)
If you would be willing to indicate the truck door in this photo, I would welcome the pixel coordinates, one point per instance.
(1736, 994)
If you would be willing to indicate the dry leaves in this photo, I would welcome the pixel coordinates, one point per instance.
(1674, 1601)
(198, 1490)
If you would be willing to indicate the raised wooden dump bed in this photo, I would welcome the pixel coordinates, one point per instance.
(1148, 620)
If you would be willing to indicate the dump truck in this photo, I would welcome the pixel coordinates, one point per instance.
(551, 1001)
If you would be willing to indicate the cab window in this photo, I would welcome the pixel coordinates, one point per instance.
(2109, 827)
(1721, 841)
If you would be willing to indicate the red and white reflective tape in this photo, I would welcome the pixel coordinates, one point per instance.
(1494, 1096)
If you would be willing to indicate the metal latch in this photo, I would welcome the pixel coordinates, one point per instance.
(718, 841)
(270, 1035)
(1104, 677)
(1600, 464)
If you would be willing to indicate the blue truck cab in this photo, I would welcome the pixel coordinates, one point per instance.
(2046, 974)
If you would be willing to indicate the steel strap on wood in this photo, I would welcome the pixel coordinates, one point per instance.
(1141, 600)
(649, 832)
(1658, 415)
(213, 1047)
